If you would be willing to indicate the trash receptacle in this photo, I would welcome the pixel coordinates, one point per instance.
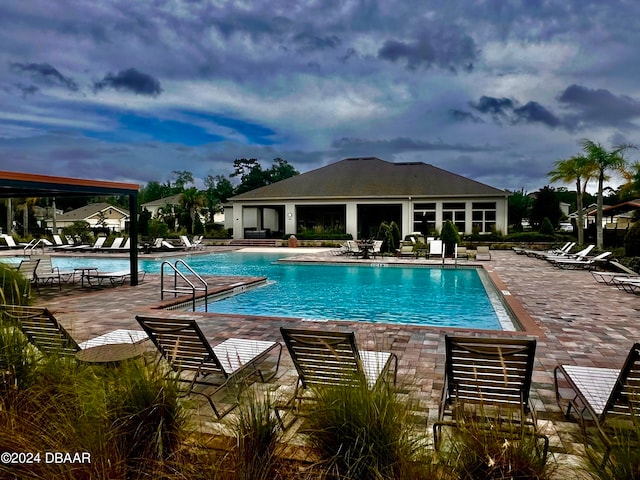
(293, 241)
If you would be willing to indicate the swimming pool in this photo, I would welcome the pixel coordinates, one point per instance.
(460, 297)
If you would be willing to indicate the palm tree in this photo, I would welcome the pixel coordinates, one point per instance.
(192, 199)
(580, 170)
(27, 204)
(605, 161)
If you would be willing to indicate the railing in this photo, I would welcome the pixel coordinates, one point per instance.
(189, 289)
(33, 244)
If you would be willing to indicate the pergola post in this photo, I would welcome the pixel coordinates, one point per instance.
(133, 237)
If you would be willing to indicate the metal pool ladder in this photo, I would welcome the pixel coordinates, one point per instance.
(187, 287)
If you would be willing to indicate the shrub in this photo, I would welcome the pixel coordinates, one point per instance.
(531, 237)
(17, 359)
(79, 229)
(257, 431)
(157, 228)
(363, 433)
(546, 227)
(632, 241)
(623, 461)
(389, 233)
(148, 418)
(449, 236)
(479, 451)
(15, 289)
(213, 230)
(312, 235)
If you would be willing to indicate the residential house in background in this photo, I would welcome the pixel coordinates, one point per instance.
(96, 215)
(155, 206)
(355, 195)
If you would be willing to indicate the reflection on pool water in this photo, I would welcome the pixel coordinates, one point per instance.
(375, 293)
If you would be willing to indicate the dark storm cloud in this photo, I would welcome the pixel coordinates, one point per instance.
(45, 74)
(130, 80)
(461, 116)
(436, 47)
(358, 146)
(599, 106)
(309, 42)
(510, 111)
(494, 106)
(533, 112)
(27, 90)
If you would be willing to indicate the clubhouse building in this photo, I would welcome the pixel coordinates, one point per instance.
(355, 195)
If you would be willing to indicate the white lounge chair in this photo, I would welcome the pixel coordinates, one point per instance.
(483, 253)
(435, 249)
(186, 242)
(581, 263)
(577, 256)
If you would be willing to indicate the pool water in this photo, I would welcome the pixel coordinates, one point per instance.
(374, 293)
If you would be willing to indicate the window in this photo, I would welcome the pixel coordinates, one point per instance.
(483, 216)
(455, 212)
(424, 218)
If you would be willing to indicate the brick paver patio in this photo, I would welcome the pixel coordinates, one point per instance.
(575, 320)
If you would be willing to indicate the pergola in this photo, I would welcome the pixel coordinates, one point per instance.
(23, 185)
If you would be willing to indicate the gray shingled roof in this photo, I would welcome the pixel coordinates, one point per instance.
(87, 211)
(161, 202)
(371, 177)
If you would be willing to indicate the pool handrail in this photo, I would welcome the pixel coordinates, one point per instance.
(192, 287)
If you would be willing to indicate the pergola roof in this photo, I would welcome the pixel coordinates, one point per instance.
(23, 185)
(20, 185)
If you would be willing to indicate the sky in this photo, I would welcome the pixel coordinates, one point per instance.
(495, 90)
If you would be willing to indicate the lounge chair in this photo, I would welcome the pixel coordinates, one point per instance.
(354, 248)
(197, 242)
(189, 353)
(575, 256)
(488, 379)
(564, 250)
(85, 246)
(483, 253)
(436, 249)
(330, 358)
(611, 278)
(630, 285)
(186, 242)
(587, 263)
(601, 395)
(47, 274)
(116, 244)
(552, 251)
(45, 332)
(377, 248)
(11, 243)
(460, 252)
(97, 278)
(343, 250)
(28, 269)
(405, 250)
(59, 244)
(165, 245)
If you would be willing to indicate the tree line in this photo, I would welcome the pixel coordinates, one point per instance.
(208, 201)
(594, 163)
